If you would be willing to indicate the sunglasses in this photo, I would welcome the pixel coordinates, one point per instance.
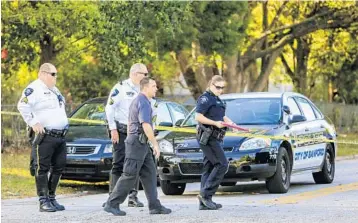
(219, 87)
(52, 74)
(145, 74)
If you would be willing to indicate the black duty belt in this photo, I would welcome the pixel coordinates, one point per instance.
(56, 133)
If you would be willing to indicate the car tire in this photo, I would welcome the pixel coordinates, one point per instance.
(228, 184)
(326, 175)
(280, 181)
(172, 188)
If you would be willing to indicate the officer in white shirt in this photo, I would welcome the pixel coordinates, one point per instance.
(43, 109)
(117, 111)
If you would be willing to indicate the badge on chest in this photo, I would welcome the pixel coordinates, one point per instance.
(130, 93)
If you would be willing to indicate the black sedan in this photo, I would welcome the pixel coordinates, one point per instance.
(281, 119)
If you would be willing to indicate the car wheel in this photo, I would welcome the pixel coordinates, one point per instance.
(280, 181)
(228, 184)
(326, 175)
(172, 188)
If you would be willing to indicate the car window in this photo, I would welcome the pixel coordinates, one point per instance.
(178, 111)
(317, 112)
(253, 111)
(190, 121)
(90, 111)
(163, 114)
(293, 107)
(249, 111)
(306, 109)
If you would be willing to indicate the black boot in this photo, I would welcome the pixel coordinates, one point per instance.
(42, 192)
(113, 178)
(52, 185)
(207, 202)
(203, 207)
(133, 200)
(160, 210)
(114, 210)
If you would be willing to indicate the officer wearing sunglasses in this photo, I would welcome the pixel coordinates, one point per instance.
(42, 107)
(210, 114)
(117, 112)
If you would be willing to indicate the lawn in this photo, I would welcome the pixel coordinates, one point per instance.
(16, 181)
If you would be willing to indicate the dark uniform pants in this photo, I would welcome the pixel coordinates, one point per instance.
(117, 164)
(139, 162)
(215, 167)
(49, 156)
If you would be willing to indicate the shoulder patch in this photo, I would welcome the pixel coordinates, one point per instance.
(25, 100)
(28, 91)
(203, 99)
(115, 93)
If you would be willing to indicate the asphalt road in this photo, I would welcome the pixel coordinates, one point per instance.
(245, 202)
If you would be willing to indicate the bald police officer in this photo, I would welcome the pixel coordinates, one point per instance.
(43, 108)
(139, 160)
(117, 110)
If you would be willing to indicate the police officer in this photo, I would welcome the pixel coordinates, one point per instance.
(210, 113)
(117, 110)
(138, 156)
(40, 102)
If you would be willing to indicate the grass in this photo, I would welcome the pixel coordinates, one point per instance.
(348, 149)
(16, 181)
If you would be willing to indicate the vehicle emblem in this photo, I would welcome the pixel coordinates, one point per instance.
(71, 150)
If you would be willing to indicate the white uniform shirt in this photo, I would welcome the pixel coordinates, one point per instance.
(119, 100)
(39, 104)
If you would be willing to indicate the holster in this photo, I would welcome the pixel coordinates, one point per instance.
(204, 134)
(143, 138)
(37, 140)
(121, 127)
(30, 134)
(219, 134)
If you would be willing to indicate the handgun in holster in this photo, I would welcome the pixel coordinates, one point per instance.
(121, 127)
(143, 138)
(30, 134)
(38, 138)
(204, 134)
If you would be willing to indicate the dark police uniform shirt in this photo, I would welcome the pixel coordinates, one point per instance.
(211, 106)
(140, 111)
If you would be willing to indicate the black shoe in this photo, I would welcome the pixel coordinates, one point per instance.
(208, 203)
(114, 211)
(57, 206)
(161, 210)
(134, 202)
(46, 206)
(203, 207)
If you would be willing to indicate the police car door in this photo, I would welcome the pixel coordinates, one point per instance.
(314, 146)
(297, 130)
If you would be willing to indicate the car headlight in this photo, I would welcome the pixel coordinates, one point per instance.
(108, 148)
(255, 143)
(165, 146)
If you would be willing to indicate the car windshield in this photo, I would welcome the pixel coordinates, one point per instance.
(249, 111)
(90, 111)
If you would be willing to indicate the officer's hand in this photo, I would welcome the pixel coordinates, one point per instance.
(219, 124)
(114, 136)
(156, 152)
(38, 128)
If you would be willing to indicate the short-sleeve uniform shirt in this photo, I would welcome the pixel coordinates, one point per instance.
(211, 106)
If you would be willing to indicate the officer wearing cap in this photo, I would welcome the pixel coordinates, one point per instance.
(139, 160)
(43, 109)
(210, 113)
(117, 110)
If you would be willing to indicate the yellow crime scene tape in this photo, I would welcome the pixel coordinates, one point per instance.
(193, 130)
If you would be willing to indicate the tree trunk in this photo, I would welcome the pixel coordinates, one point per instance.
(232, 76)
(302, 54)
(47, 47)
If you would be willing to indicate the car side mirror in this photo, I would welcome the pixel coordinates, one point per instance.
(286, 109)
(297, 118)
(179, 122)
(166, 124)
